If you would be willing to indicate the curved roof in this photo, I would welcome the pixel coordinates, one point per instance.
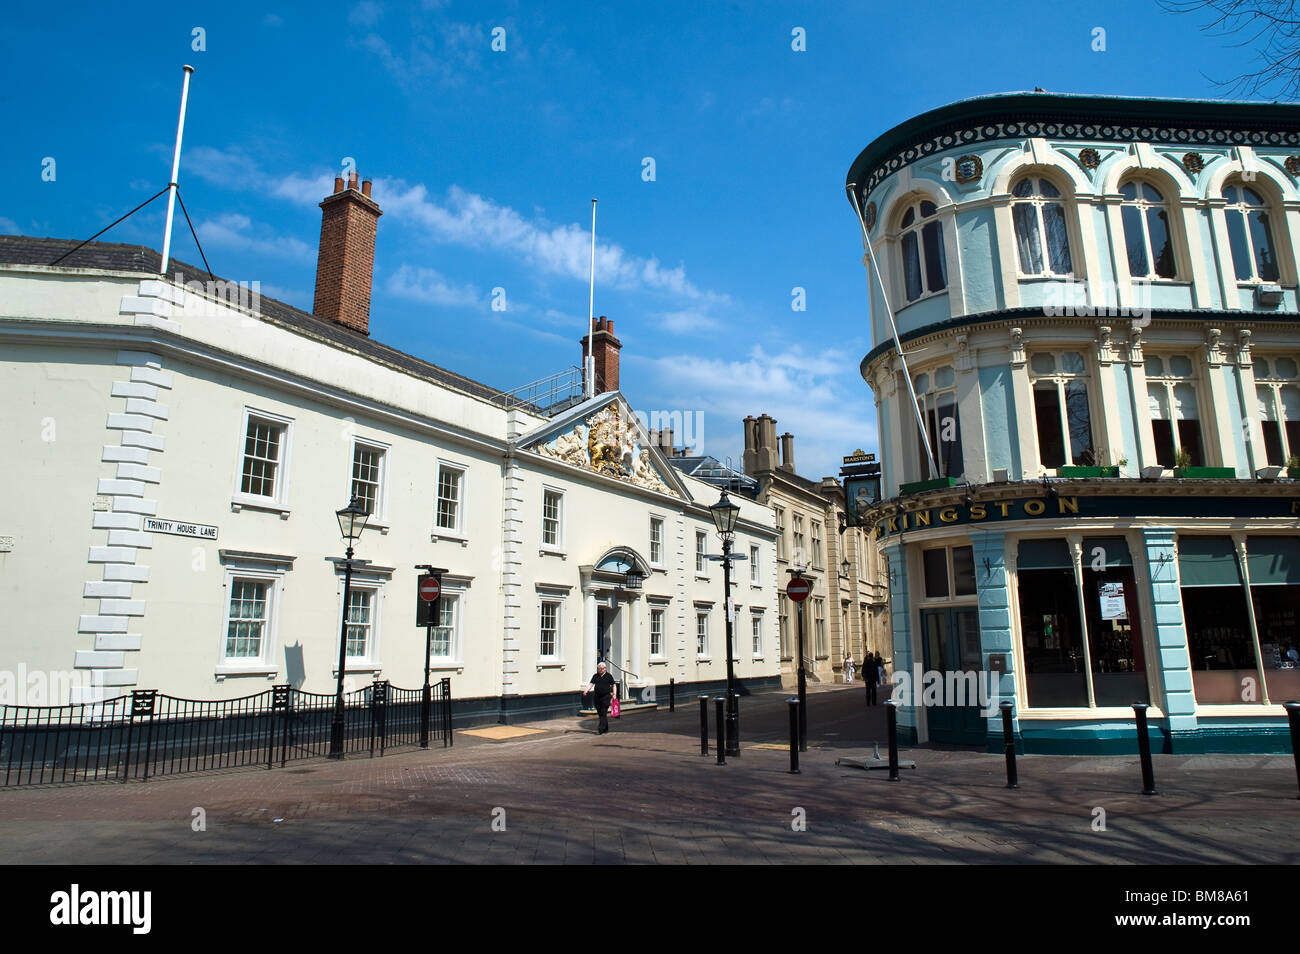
(1071, 107)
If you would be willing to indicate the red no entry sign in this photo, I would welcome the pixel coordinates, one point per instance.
(798, 589)
(430, 588)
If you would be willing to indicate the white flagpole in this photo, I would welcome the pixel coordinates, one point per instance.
(588, 370)
(176, 168)
(931, 460)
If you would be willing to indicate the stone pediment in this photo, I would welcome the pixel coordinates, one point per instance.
(608, 440)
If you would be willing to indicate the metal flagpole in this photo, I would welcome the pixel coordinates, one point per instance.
(931, 460)
(176, 168)
(588, 370)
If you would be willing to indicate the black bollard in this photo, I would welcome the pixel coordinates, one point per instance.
(1144, 749)
(1013, 780)
(1293, 716)
(891, 726)
(794, 735)
(704, 725)
(720, 707)
(733, 730)
(672, 695)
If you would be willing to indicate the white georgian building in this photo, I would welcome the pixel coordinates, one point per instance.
(181, 455)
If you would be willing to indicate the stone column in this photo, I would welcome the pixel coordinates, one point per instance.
(588, 663)
(635, 663)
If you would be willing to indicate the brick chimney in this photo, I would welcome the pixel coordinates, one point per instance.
(765, 450)
(604, 349)
(345, 264)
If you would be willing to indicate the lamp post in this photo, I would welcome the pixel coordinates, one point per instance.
(352, 520)
(724, 518)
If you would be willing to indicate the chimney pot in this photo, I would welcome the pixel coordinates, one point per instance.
(338, 183)
(345, 262)
(352, 181)
(365, 188)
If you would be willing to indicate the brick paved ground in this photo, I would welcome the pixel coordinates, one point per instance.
(643, 794)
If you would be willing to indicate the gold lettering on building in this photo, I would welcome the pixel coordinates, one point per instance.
(1003, 505)
(1068, 505)
(977, 512)
(948, 514)
(1034, 507)
(922, 518)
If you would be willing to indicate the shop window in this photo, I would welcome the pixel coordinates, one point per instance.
(1115, 651)
(1218, 626)
(1250, 235)
(1146, 231)
(1171, 403)
(1050, 630)
(949, 572)
(1042, 238)
(1061, 410)
(1274, 567)
(1277, 389)
(921, 241)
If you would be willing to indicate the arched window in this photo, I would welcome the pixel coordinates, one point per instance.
(1042, 238)
(1146, 231)
(924, 270)
(1250, 235)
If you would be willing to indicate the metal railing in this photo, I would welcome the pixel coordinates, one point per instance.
(148, 733)
(550, 395)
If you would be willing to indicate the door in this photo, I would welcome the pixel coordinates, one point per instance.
(609, 645)
(952, 649)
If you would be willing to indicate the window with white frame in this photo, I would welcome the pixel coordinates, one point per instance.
(445, 643)
(656, 541)
(1172, 407)
(553, 519)
(263, 471)
(656, 631)
(701, 552)
(248, 620)
(1147, 238)
(1277, 389)
(1042, 237)
(753, 564)
(783, 622)
(756, 632)
(936, 392)
(1061, 412)
(360, 622)
(368, 464)
(816, 543)
(451, 486)
(921, 243)
(1250, 234)
(551, 620)
(701, 632)
(253, 583)
(948, 572)
(799, 552)
(780, 532)
(819, 627)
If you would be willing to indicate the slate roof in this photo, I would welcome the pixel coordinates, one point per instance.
(109, 256)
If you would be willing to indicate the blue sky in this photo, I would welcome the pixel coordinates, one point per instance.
(485, 164)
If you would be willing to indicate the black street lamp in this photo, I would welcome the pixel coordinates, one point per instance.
(352, 521)
(724, 518)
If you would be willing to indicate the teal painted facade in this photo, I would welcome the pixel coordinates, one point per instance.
(1162, 359)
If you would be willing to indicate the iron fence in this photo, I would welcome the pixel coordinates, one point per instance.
(148, 733)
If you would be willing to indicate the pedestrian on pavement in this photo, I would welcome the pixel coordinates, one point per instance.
(602, 686)
(880, 670)
(848, 666)
(869, 671)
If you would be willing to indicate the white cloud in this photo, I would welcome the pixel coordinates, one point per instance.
(432, 288)
(365, 14)
(9, 226)
(805, 394)
(233, 230)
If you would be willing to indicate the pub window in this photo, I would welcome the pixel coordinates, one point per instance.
(1042, 239)
(936, 394)
(1277, 388)
(948, 572)
(1250, 235)
(921, 241)
(1146, 231)
(1226, 670)
(1171, 402)
(1061, 412)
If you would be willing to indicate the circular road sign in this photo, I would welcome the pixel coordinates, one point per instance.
(798, 589)
(430, 588)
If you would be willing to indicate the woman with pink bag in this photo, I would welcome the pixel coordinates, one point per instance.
(602, 685)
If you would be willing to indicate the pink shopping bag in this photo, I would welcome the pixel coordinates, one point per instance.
(614, 709)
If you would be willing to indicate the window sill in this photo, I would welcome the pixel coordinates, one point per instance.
(450, 537)
(658, 661)
(704, 659)
(1097, 712)
(270, 672)
(551, 664)
(926, 297)
(239, 502)
(446, 666)
(552, 551)
(700, 576)
(381, 527)
(357, 666)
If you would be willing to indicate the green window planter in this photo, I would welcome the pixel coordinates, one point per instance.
(1073, 471)
(923, 485)
(1205, 473)
(1293, 472)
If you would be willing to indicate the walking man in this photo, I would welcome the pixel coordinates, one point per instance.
(870, 673)
(602, 685)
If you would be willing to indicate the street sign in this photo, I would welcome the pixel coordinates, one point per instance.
(430, 588)
(798, 589)
(427, 590)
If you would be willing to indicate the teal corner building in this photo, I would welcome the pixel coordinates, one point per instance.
(1091, 439)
